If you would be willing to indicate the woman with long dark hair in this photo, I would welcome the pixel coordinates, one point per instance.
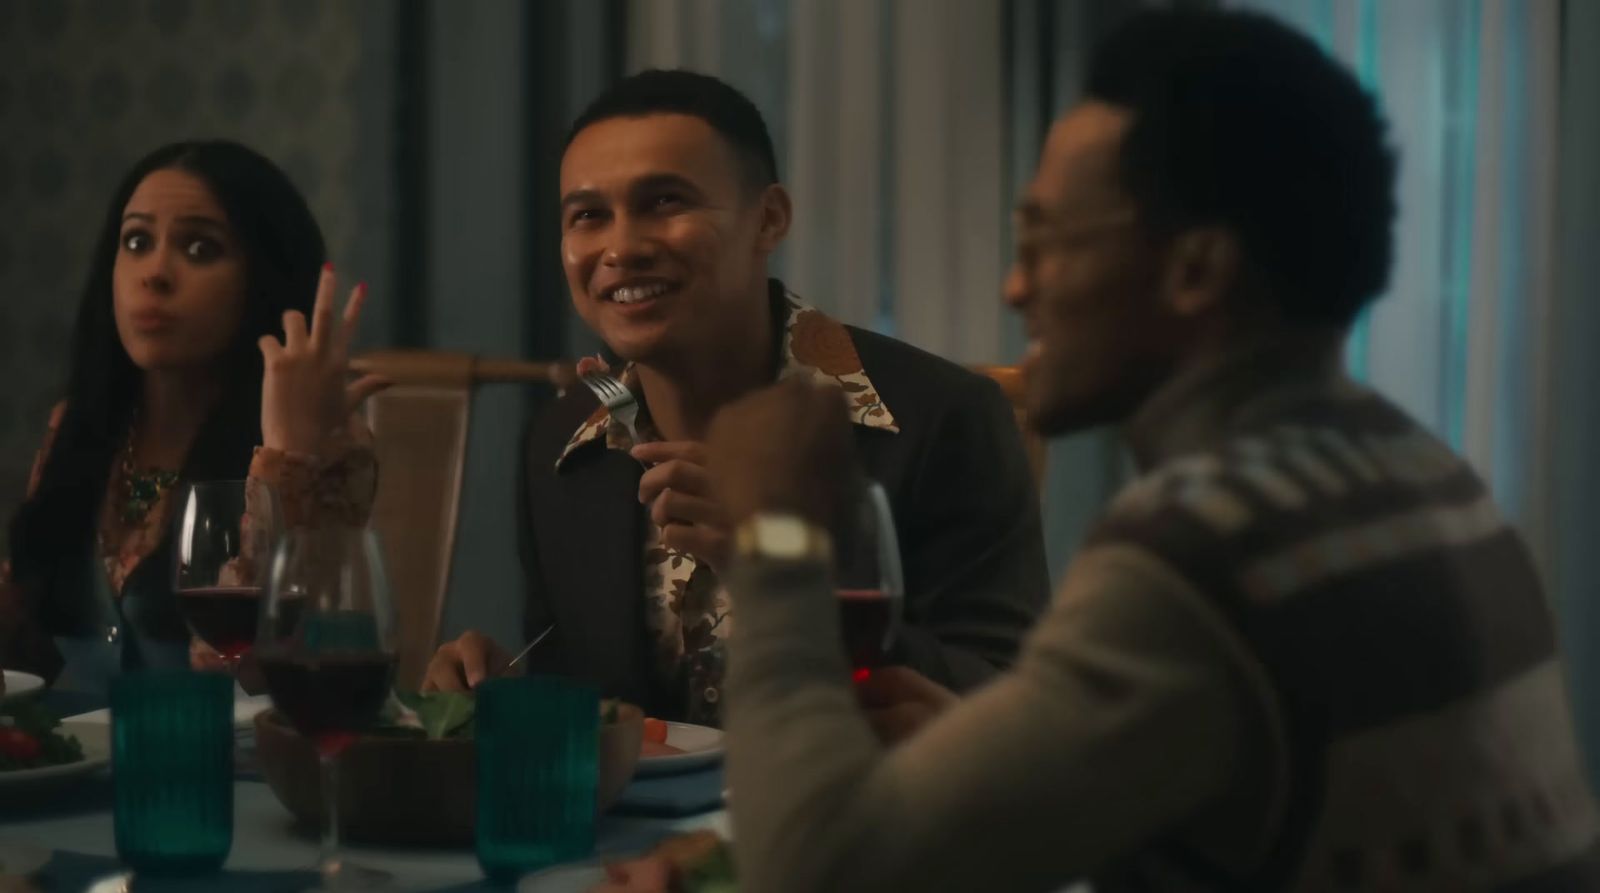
(192, 359)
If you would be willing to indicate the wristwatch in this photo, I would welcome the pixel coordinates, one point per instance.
(780, 536)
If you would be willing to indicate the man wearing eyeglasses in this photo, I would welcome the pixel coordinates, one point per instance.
(1303, 651)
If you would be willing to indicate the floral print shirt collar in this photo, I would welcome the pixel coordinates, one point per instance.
(814, 344)
(688, 615)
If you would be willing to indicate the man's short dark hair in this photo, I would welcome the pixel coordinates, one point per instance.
(1240, 121)
(678, 92)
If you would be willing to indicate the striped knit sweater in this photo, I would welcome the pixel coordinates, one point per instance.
(1302, 652)
(1424, 736)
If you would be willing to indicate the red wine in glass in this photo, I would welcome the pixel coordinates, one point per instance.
(870, 584)
(224, 617)
(222, 532)
(329, 697)
(866, 617)
(326, 646)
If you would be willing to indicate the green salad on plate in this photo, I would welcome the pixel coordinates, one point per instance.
(30, 738)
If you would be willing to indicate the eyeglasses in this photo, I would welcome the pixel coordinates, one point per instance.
(1040, 232)
(1044, 229)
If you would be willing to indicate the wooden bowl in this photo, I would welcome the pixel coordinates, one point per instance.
(413, 790)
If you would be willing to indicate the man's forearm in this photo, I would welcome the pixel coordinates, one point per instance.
(1018, 774)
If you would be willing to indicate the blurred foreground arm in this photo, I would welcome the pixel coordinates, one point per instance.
(1122, 717)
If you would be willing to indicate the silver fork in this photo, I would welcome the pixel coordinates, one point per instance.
(529, 649)
(618, 399)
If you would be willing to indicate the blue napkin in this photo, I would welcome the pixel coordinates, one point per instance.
(673, 795)
(78, 871)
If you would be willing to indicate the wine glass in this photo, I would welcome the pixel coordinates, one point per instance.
(327, 652)
(870, 583)
(224, 534)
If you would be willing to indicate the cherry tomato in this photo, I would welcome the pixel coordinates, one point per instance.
(655, 730)
(17, 744)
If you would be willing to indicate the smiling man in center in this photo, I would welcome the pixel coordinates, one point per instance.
(671, 208)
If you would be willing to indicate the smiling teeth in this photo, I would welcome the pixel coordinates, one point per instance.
(633, 294)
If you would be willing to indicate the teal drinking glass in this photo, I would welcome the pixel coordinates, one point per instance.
(538, 755)
(172, 770)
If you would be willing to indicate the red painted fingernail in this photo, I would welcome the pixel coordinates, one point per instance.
(363, 287)
(327, 267)
(861, 674)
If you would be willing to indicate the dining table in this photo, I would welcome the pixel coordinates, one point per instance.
(271, 853)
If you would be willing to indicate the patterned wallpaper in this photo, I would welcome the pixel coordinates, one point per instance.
(88, 86)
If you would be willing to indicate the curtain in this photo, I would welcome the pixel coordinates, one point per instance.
(889, 121)
(1573, 440)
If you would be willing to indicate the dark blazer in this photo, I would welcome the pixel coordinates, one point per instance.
(958, 480)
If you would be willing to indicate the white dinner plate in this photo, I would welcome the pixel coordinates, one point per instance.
(19, 858)
(20, 685)
(96, 741)
(701, 746)
(245, 709)
(575, 877)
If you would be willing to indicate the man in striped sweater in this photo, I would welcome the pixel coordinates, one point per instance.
(1303, 651)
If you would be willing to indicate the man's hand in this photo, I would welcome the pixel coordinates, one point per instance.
(677, 489)
(785, 448)
(462, 664)
(899, 701)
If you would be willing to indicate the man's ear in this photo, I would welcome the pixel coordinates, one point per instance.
(777, 212)
(1203, 267)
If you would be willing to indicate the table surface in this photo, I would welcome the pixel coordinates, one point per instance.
(265, 842)
(270, 853)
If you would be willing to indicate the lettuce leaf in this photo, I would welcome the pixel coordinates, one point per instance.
(443, 714)
(714, 875)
